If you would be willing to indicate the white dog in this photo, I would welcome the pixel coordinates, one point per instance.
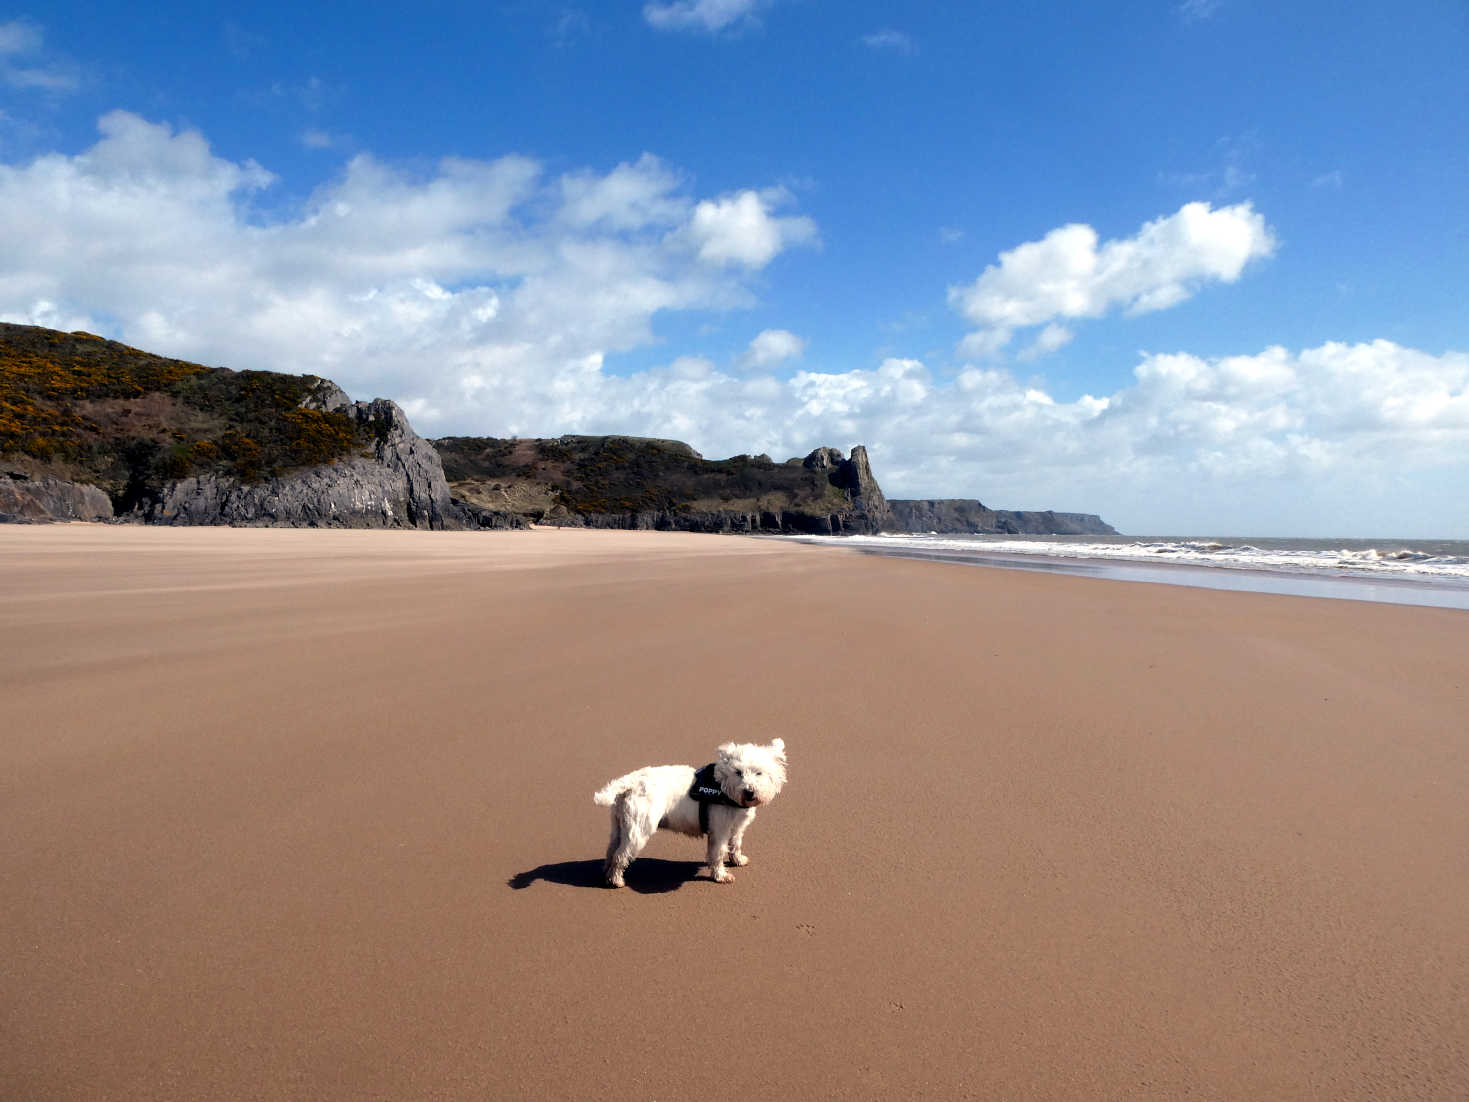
(718, 800)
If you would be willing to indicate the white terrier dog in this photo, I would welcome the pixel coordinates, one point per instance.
(718, 800)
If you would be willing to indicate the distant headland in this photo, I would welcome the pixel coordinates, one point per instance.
(91, 429)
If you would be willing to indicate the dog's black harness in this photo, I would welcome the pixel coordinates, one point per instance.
(705, 791)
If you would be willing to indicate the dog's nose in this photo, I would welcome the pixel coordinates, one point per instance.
(749, 794)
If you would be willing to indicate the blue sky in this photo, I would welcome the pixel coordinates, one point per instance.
(1200, 267)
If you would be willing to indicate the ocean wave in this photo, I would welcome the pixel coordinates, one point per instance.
(1386, 561)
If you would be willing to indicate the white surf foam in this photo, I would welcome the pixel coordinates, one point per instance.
(1385, 561)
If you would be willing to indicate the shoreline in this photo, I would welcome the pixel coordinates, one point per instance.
(1385, 590)
(1283, 581)
(288, 815)
(1420, 591)
(1424, 592)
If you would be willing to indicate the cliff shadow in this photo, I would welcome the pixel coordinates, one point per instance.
(647, 875)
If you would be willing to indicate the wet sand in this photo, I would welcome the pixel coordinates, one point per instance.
(293, 814)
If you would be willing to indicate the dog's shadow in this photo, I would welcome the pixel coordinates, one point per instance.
(648, 875)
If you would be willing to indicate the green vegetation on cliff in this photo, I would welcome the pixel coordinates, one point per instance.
(590, 477)
(84, 409)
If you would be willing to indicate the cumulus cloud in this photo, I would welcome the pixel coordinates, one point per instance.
(631, 196)
(488, 297)
(773, 346)
(1066, 274)
(1218, 442)
(1212, 445)
(700, 15)
(741, 229)
(478, 285)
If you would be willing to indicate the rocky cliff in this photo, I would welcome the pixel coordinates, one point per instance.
(28, 500)
(637, 482)
(92, 430)
(399, 483)
(853, 475)
(959, 515)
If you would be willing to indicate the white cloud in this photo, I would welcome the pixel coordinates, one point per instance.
(740, 230)
(20, 38)
(316, 139)
(476, 286)
(700, 15)
(773, 346)
(489, 297)
(893, 41)
(1191, 444)
(631, 196)
(1066, 274)
(1214, 443)
(984, 344)
(1050, 339)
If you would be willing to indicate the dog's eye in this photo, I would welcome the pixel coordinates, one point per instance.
(739, 772)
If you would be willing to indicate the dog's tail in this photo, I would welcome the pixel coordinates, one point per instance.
(607, 795)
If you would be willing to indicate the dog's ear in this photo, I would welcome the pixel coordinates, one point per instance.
(726, 751)
(779, 746)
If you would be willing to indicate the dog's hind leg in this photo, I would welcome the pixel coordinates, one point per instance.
(629, 836)
(614, 843)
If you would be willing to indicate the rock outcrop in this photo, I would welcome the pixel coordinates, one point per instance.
(399, 485)
(639, 482)
(37, 500)
(642, 483)
(853, 475)
(960, 515)
(92, 429)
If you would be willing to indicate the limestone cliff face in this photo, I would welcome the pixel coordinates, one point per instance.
(29, 500)
(400, 485)
(960, 515)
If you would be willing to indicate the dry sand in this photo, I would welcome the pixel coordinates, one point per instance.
(308, 815)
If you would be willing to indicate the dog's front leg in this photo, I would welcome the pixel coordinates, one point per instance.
(737, 857)
(720, 826)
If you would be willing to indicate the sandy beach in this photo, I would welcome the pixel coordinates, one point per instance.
(307, 815)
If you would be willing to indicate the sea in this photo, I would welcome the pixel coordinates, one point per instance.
(1412, 572)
